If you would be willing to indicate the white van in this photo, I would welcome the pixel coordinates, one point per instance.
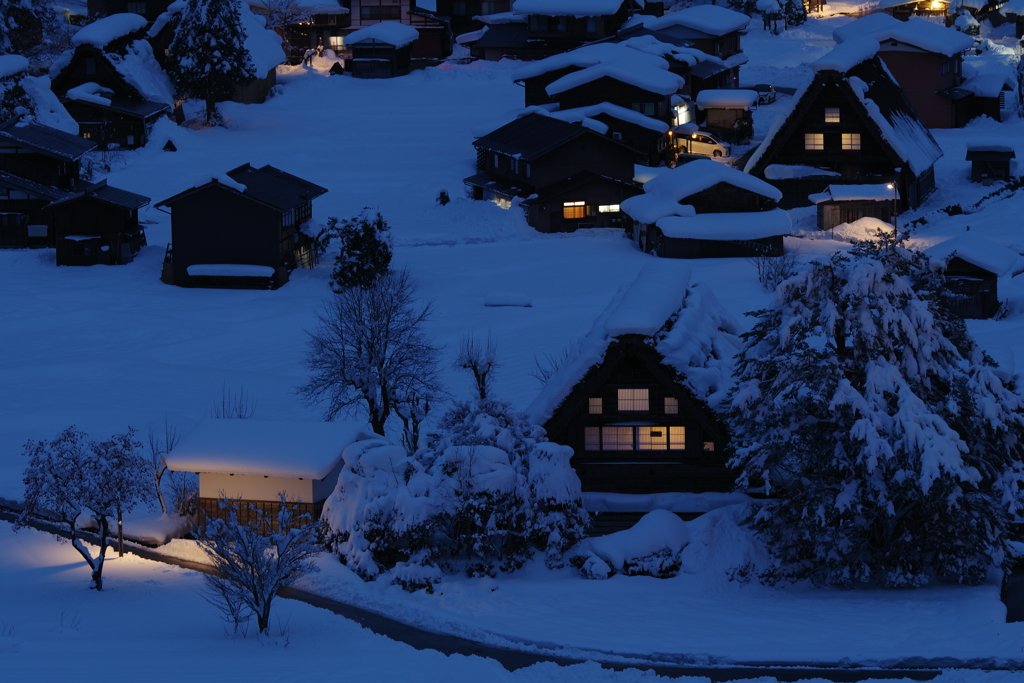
(702, 143)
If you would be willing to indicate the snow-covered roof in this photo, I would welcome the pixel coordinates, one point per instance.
(12, 64)
(49, 111)
(785, 171)
(311, 7)
(651, 45)
(229, 270)
(574, 8)
(1015, 7)
(652, 80)
(615, 111)
(501, 18)
(90, 92)
(726, 99)
(165, 16)
(103, 31)
(711, 19)
(697, 176)
(264, 45)
(390, 32)
(592, 55)
(876, 192)
(491, 125)
(917, 32)
(682, 320)
(471, 36)
(979, 251)
(139, 68)
(990, 83)
(847, 55)
(750, 225)
(309, 450)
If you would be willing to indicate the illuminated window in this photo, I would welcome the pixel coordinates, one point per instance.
(595, 406)
(571, 210)
(617, 438)
(709, 445)
(608, 208)
(831, 114)
(592, 438)
(677, 438)
(814, 141)
(503, 202)
(671, 406)
(633, 400)
(851, 140)
(651, 438)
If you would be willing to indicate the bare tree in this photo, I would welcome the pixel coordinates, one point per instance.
(281, 13)
(480, 360)
(255, 560)
(240, 406)
(159, 447)
(72, 475)
(369, 352)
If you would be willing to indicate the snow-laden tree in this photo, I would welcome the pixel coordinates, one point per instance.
(369, 353)
(14, 100)
(255, 560)
(208, 57)
(887, 441)
(793, 12)
(364, 253)
(72, 475)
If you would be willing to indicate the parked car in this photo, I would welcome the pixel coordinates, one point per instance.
(702, 142)
(765, 93)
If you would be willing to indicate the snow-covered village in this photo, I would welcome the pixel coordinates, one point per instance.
(512, 340)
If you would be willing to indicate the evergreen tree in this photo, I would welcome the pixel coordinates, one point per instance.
(207, 57)
(365, 249)
(794, 12)
(13, 98)
(889, 444)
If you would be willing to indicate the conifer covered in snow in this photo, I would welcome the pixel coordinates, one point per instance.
(13, 98)
(364, 253)
(888, 443)
(207, 57)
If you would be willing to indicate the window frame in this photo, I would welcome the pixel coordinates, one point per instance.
(814, 142)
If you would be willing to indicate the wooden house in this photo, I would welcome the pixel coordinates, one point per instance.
(26, 221)
(256, 460)
(99, 225)
(383, 50)
(574, 177)
(705, 209)
(42, 154)
(990, 90)
(241, 229)
(850, 125)
(972, 266)
(925, 59)
(462, 14)
(647, 135)
(990, 162)
(503, 35)
(727, 113)
(332, 22)
(847, 203)
(636, 400)
(648, 92)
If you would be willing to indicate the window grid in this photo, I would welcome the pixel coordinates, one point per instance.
(814, 141)
(572, 210)
(617, 438)
(831, 114)
(671, 405)
(851, 141)
(595, 406)
(677, 438)
(652, 438)
(633, 400)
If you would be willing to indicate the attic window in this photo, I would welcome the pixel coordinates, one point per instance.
(671, 405)
(634, 400)
(831, 114)
(851, 140)
(814, 141)
(595, 407)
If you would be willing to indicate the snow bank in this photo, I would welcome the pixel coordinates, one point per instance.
(847, 55)
(108, 29)
(656, 531)
(600, 501)
(711, 19)
(726, 99)
(12, 64)
(864, 229)
(390, 32)
(721, 544)
(264, 447)
(979, 251)
(750, 225)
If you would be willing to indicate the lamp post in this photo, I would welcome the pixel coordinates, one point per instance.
(894, 185)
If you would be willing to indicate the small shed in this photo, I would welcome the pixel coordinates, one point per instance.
(846, 203)
(99, 225)
(990, 162)
(973, 266)
(256, 460)
(381, 50)
(727, 113)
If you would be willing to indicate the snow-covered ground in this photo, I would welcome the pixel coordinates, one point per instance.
(108, 347)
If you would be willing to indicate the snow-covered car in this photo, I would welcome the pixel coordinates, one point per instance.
(702, 143)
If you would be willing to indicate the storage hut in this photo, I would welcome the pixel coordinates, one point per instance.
(727, 113)
(256, 460)
(382, 50)
(99, 225)
(973, 265)
(847, 203)
(990, 162)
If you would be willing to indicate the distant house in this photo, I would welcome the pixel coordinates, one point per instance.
(99, 225)
(42, 154)
(256, 460)
(648, 92)
(972, 266)
(568, 176)
(839, 204)
(850, 125)
(926, 59)
(706, 209)
(382, 50)
(647, 135)
(636, 398)
(24, 220)
(241, 229)
(990, 162)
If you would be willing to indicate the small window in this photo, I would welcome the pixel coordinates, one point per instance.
(851, 140)
(608, 208)
(945, 68)
(671, 405)
(574, 210)
(814, 141)
(709, 446)
(592, 438)
(513, 164)
(831, 114)
(526, 169)
(617, 438)
(645, 108)
(497, 160)
(130, 140)
(591, 25)
(677, 438)
(595, 406)
(634, 400)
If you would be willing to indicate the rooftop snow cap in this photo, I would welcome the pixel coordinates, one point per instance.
(592, 55)
(108, 29)
(847, 55)
(390, 32)
(979, 251)
(12, 64)
(651, 80)
(572, 8)
(711, 19)
(918, 32)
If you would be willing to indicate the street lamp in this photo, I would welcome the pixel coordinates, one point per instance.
(894, 185)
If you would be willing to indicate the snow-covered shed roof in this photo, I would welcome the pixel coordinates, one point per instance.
(264, 45)
(875, 192)
(711, 19)
(267, 185)
(44, 139)
(108, 195)
(591, 55)
(979, 251)
(390, 32)
(12, 64)
(652, 45)
(613, 110)
(573, 8)
(650, 79)
(726, 99)
(307, 450)
(847, 55)
(32, 188)
(697, 176)
(990, 83)
(681, 319)
(108, 29)
(1014, 7)
(748, 225)
(918, 32)
(531, 137)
